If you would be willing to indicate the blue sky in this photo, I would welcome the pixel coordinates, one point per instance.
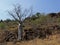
(42, 6)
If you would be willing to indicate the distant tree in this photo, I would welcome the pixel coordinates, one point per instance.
(52, 15)
(1, 20)
(19, 15)
(58, 14)
(35, 16)
(7, 20)
(38, 14)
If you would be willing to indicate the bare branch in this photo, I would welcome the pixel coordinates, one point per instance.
(18, 12)
(12, 15)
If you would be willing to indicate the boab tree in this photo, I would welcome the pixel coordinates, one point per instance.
(19, 15)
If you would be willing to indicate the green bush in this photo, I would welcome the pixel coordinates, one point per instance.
(2, 25)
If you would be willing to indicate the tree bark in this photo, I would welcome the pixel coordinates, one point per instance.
(20, 32)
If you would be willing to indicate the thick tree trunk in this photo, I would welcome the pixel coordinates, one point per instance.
(20, 32)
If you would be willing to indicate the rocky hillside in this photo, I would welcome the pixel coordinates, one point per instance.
(38, 26)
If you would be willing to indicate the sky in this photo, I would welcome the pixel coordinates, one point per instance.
(42, 6)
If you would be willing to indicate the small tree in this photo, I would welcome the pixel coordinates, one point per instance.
(19, 15)
(1, 20)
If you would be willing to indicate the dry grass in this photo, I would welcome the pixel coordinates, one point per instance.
(53, 40)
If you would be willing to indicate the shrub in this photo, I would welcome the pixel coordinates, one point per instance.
(2, 26)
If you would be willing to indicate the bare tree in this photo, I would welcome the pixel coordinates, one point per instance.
(19, 14)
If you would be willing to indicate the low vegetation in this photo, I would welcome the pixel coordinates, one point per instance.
(39, 26)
